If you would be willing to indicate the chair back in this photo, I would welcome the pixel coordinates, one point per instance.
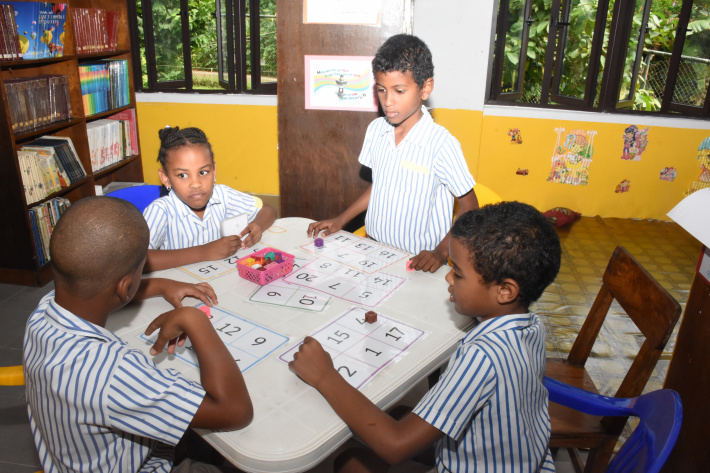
(12, 376)
(660, 416)
(140, 196)
(653, 310)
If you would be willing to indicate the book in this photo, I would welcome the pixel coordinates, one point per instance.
(65, 156)
(43, 219)
(131, 137)
(104, 85)
(105, 144)
(37, 101)
(40, 28)
(73, 150)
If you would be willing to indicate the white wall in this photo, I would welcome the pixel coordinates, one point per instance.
(458, 33)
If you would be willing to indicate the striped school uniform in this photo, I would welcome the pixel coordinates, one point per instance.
(490, 402)
(96, 405)
(413, 184)
(174, 226)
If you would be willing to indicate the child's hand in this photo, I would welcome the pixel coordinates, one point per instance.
(311, 363)
(428, 261)
(329, 226)
(222, 248)
(175, 327)
(254, 232)
(176, 291)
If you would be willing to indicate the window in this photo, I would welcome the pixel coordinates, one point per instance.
(205, 45)
(603, 55)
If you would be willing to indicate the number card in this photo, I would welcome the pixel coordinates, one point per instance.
(345, 282)
(211, 269)
(290, 295)
(359, 349)
(357, 252)
(248, 342)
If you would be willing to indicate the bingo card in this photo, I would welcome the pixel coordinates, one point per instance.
(360, 349)
(357, 252)
(345, 282)
(248, 342)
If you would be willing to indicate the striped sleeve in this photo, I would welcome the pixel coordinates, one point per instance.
(149, 402)
(240, 203)
(464, 387)
(451, 169)
(156, 217)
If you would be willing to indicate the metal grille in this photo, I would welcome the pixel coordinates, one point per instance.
(691, 84)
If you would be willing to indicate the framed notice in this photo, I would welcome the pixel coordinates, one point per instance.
(340, 83)
(342, 12)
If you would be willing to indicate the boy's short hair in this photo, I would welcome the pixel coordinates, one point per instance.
(511, 240)
(404, 52)
(96, 242)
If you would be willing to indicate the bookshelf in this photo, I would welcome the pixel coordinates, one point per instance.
(19, 262)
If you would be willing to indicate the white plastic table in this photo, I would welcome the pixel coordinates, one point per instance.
(294, 428)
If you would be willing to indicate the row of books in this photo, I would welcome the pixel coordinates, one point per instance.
(112, 139)
(48, 165)
(104, 85)
(35, 102)
(95, 30)
(31, 30)
(43, 219)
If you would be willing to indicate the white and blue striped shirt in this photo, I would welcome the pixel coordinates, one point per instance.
(96, 405)
(413, 184)
(490, 402)
(174, 226)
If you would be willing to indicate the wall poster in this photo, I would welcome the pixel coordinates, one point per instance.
(340, 83)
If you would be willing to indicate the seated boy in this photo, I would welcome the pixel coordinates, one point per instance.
(489, 409)
(94, 403)
(417, 166)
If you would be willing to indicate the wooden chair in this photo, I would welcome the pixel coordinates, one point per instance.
(655, 313)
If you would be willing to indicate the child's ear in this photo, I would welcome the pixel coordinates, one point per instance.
(164, 178)
(508, 291)
(124, 288)
(427, 88)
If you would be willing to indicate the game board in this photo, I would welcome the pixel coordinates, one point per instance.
(359, 349)
(207, 270)
(344, 282)
(248, 342)
(357, 252)
(290, 295)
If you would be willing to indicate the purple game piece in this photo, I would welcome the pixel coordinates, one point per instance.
(318, 242)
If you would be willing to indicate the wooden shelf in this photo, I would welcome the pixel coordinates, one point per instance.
(19, 263)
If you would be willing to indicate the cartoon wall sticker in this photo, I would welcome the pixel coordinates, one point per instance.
(572, 157)
(668, 174)
(515, 136)
(623, 186)
(521, 172)
(703, 179)
(635, 141)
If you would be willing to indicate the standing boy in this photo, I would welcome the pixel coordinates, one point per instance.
(94, 403)
(489, 409)
(417, 166)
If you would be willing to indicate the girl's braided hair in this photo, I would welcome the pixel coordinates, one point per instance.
(173, 137)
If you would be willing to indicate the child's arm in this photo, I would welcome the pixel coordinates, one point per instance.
(263, 220)
(175, 291)
(212, 251)
(332, 225)
(393, 440)
(433, 260)
(227, 404)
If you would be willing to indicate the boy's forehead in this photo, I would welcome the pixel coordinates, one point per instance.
(395, 77)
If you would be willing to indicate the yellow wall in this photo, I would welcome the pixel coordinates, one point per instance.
(648, 197)
(243, 138)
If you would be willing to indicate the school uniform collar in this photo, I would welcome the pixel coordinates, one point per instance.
(184, 211)
(498, 324)
(66, 321)
(417, 135)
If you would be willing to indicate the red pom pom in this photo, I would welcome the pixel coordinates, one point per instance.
(560, 216)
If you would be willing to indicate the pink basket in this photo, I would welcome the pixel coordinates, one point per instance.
(272, 273)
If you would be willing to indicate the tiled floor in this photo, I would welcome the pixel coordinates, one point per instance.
(664, 249)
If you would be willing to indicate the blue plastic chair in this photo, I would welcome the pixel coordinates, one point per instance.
(660, 414)
(140, 196)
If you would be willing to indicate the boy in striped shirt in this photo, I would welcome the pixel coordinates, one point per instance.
(489, 409)
(94, 403)
(417, 166)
